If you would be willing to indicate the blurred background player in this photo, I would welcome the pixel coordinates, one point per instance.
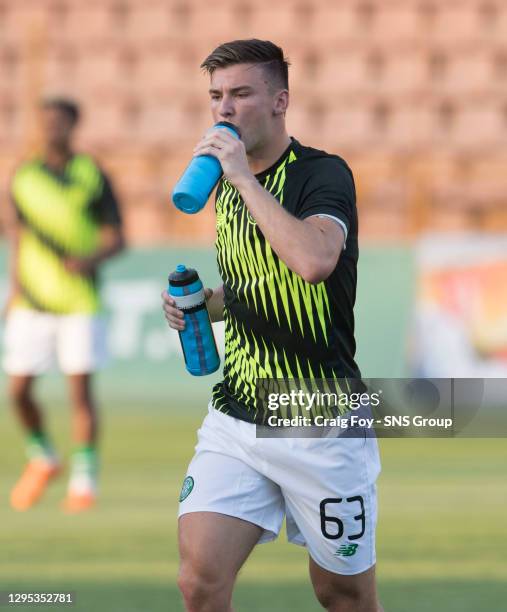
(63, 222)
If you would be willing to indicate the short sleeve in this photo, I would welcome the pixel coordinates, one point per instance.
(329, 191)
(105, 208)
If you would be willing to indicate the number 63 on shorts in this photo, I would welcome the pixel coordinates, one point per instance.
(325, 489)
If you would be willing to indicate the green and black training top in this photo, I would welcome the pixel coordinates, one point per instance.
(276, 324)
(60, 216)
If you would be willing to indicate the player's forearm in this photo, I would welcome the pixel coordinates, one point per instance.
(299, 244)
(12, 233)
(216, 304)
(112, 243)
(13, 238)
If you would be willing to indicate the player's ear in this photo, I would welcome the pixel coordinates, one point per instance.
(281, 102)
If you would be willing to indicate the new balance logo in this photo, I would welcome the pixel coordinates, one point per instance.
(346, 550)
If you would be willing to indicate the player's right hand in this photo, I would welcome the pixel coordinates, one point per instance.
(173, 314)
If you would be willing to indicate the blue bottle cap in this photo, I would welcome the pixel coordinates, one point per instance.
(182, 276)
(231, 126)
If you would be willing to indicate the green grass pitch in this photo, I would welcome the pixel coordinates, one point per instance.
(442, 535)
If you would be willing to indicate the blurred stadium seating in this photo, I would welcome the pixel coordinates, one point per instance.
(412, 92)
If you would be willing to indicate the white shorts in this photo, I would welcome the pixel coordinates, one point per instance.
(36, 341)
(324, 487)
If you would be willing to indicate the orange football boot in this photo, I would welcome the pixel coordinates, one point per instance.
(33, 482)
(78, 502)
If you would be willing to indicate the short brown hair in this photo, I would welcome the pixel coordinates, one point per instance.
(251, 51)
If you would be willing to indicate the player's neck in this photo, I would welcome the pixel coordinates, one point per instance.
(264, 158)
(56, 157)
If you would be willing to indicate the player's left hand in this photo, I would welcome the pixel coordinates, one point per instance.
(80, 265)
(229, 150)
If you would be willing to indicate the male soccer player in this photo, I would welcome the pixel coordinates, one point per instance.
(287, 253)
(63, 223)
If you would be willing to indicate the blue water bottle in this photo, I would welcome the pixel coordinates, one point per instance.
(197, 339)
(201, 175)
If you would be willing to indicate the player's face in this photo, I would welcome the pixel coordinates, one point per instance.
(57, 127)
(243, 95)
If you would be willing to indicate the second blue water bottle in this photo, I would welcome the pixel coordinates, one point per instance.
(197, 339)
